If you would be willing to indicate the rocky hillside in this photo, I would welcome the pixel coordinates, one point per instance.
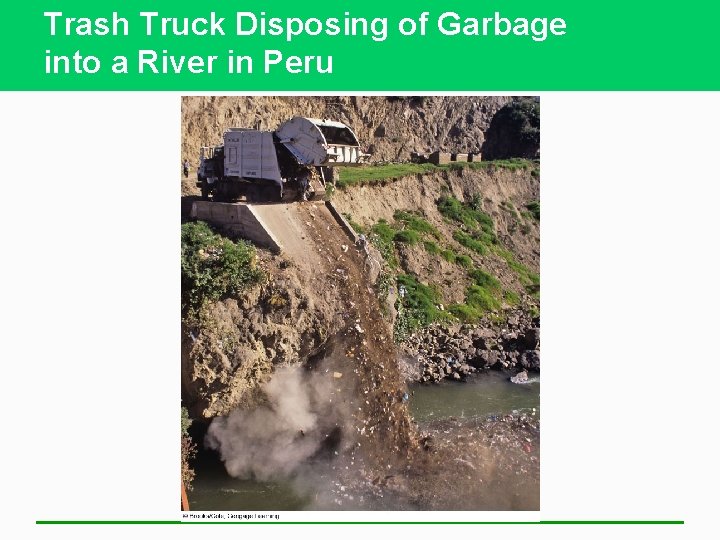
(464, 247)
(389, 128)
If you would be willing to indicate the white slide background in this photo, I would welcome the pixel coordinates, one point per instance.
(90, 295)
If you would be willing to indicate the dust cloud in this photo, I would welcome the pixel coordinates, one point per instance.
(273, 441)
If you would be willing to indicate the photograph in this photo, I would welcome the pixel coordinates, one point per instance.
(360, 303)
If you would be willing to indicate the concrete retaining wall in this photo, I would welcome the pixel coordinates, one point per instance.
(237, 219)
(440, 158)
(443, 158)
(342, 222)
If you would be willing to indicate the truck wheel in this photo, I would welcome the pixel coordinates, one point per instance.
(204, 188)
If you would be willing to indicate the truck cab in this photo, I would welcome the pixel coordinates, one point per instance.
(210, 169)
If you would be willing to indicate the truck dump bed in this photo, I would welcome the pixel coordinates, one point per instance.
(322, 143)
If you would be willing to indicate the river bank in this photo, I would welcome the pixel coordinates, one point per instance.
(440, 352)
(482, 434)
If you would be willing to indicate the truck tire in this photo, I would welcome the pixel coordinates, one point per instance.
(204, 189)
(252, 194)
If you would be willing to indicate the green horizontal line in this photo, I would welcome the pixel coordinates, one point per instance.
(587, 522)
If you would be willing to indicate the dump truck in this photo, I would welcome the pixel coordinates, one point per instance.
(293, 162)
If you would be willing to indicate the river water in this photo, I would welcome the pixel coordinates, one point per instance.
(489, 393)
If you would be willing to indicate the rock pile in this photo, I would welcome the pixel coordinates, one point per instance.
(456, 352)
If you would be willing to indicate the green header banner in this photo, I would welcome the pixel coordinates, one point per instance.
(368, 45)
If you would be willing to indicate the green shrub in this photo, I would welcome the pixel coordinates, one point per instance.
(407, 236)
(483, 279)
(419, 303)
(452, 208)
(470, 242)
(383, 231)
(382, 236)
(527, 277)
(188, 450)
(471, 215)
(464, 261)
(213, 266)
(449, 255)
(431, 247)
(511, 298)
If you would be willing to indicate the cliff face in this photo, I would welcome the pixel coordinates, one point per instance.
(389, 128)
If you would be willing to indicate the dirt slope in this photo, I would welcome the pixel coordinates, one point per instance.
(499, 189)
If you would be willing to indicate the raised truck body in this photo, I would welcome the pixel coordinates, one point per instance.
(294, 161)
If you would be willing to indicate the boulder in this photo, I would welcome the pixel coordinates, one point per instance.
(465, 344)
(492, 358)
(530, 339)
(530, 360)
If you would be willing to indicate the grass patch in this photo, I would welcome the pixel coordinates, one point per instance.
(529, 279)
(409, 228)
(465, 313)
(407, 236)
(449, 255)
(470, 242)
(482, 299)
(383, 231)
(382, 236)
(370, 174)
(511, 298)
(483, 296)
(376, 173)
(469, 214)
(478, 302)
(417, 223)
